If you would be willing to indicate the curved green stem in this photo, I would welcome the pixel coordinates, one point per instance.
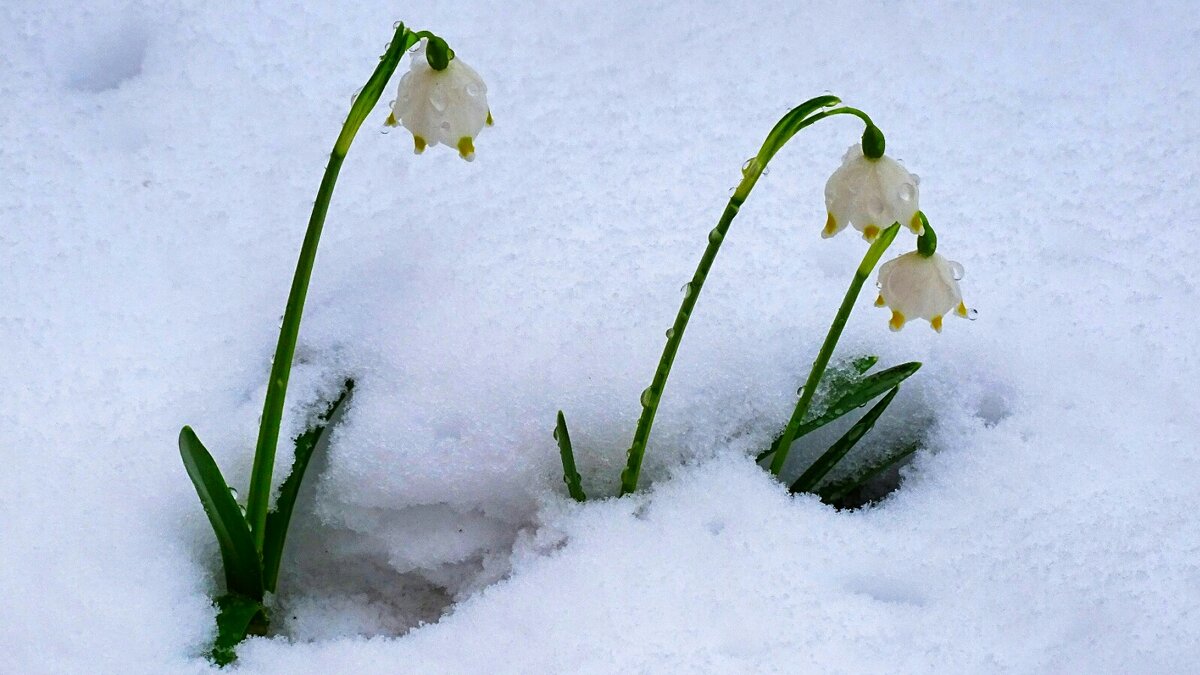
(796, 119)
(259, 495)
(874, 253)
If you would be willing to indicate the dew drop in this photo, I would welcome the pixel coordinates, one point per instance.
(233, 493)
(956, 270)
(647, 397)
(746, 165)
(686, 289)
(715, 236)
(907, 192)
(472, 90)
(555, 434)
(445, 126)
(438, 103)
(916, 179)
(396, 25)
(670, 332)
(972, 314)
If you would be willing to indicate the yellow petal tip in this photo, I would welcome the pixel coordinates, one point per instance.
(961, 310)
(897, 321)
(879, 302)
(830, 227)
(936, 322)
(871, 233)
(466, 148)
(391, 120)
(418, 144)
(490, 121)
(917, 227)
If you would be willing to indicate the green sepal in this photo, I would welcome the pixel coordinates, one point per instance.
(570, 475)
(237, 618)
(862, 393)
(279, 518)
(438, 53)
(927, 242)
(873, 142)
(243, 571)
(829, 459)
(836, 492)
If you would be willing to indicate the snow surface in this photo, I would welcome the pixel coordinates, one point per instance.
(159, 162)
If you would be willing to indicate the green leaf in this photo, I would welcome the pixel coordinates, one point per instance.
(243, 572)
(838, 491)
(237, 617)
(861, 393)
(809, 479)
(279, 519)
(570, 475)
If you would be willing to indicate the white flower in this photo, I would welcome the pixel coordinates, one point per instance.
(916, 286)
(441, 106)
(870, 194)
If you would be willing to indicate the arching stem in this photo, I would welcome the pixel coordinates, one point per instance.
(259, 495)
(835, 332)
(796, 119)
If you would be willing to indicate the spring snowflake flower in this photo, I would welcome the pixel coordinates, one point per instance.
(919, 286)
(441, 106)
(871, 194)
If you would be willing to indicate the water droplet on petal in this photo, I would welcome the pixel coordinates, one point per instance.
(916, 179)
(956, 270)
(907, 192)
(438, 103)
(472, 89)
(647, 397)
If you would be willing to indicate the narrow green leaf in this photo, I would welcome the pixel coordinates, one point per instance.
(243, 572)
(809, 479)
(570, 475)
(863, 363)
(861, 394)
(237, 617)
(838, 491)
(280, 517)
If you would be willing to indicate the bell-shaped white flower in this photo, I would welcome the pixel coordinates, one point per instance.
(919, 286)
(441, 106)
(871, 194)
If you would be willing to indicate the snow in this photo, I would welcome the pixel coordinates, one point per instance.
(159, 163)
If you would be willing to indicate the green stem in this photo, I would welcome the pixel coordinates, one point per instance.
(874, 253)
(259, 495)
(796, 119)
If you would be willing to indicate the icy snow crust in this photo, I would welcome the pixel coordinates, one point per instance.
(159, 161)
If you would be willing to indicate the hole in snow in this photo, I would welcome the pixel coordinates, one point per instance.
(110, 59)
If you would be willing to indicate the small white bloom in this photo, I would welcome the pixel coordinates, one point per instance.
(871, 194)
(441, 106)
(916, 286)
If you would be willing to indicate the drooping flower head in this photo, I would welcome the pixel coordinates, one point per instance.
(919, 286)
(870, 194)
(447, 106)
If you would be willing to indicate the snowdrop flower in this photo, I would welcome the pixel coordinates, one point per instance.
(870, 194)
(919, 286)
(447, 106)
